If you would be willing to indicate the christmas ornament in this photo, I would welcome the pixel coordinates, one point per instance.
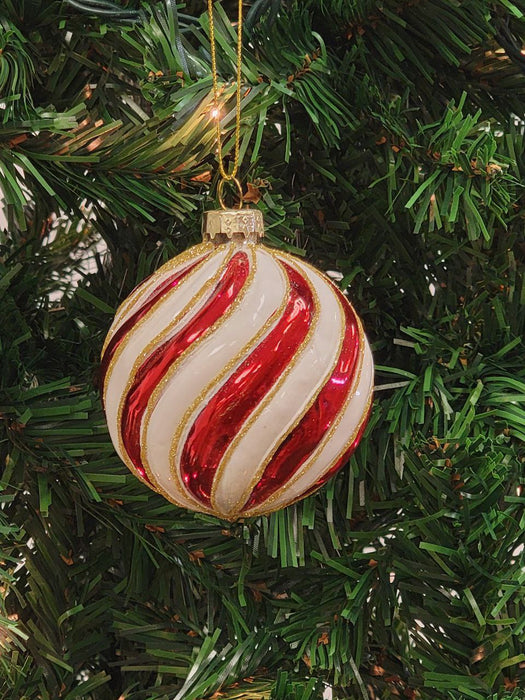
(237, 378)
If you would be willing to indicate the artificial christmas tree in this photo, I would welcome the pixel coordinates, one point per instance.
(383, 141)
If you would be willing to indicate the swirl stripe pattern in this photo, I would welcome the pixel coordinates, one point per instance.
(346, 455)
(225, 413)
(237, 379)
(144, 289)
(336, 445)
(304, 438)
(201, 373)
(166, 316)
(285, 404)
(152, 371)
(160, 291)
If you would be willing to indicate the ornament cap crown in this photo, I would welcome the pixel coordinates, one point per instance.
(224, 225)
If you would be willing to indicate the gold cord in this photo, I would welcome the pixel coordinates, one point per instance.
(227, 177)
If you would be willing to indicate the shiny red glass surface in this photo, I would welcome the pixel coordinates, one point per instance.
(342, 460)
(159, 362)
(157, 294)
(305, 437)
(226, 412)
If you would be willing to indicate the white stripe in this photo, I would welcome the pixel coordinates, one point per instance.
(148, 329)
(201, 366)
(139, 295)
(329, 452)
(244, 461)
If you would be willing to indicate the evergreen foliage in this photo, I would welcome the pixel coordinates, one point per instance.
(382, 140)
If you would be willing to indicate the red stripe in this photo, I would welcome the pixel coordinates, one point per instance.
(305, 437)
(226, 412)
(157, 294)
(152, 371)
(342, 460)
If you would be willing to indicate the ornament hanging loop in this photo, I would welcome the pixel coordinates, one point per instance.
(215, 79)
(220, 192)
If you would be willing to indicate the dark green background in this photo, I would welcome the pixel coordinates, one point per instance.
(386, 142)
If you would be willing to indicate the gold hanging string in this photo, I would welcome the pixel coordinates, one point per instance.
(227, 177)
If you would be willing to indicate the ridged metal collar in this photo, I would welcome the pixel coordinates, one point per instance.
(221, 225)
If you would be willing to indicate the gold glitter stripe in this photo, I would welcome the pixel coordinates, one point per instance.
(266, 508)
(286, 504)
(127, 339)
(214, 386)
(192, 350)
(255, 415)
(129, 301)
(153, 344)
(320, 386)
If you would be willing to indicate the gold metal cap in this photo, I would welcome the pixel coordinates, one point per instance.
(223, 225)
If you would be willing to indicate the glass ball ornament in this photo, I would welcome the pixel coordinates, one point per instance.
(237, 379)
